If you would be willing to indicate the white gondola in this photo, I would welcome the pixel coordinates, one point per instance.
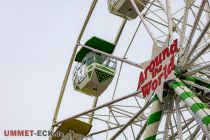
(124, 9)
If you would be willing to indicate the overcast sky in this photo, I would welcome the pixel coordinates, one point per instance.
(36, 41)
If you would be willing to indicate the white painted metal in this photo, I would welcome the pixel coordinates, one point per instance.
(124, 9)
(160, 19)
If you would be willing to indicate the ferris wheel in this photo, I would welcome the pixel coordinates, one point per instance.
(172, 97)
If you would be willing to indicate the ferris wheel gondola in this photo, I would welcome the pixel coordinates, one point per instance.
(94, 71)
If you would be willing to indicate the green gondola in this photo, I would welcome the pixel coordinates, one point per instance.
(94, 71)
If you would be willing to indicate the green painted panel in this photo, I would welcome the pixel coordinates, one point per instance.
(95, 43)
(198, 81)
(202, 83)
(206, 120)
(90, 67)
(89, 74)
(197, 106)
(155, 117)
(186, 95)
(102, 76)
(151, 138)
(105, 68)
(176, 84)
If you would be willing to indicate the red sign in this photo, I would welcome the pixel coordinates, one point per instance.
(159, 69)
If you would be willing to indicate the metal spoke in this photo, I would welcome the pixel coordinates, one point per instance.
(155, 26)
(183, 127)
(199, 54)
(101, 106)
(143, 21)
(169, 106)
(130, 121)
(141, 131)
(178, 116)
(184, 23)
(196, 70)
(120, 69)
(118, 123)
(197, 43)
(169, 17)
(193, 136)
(187, 48)
(112, 56)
